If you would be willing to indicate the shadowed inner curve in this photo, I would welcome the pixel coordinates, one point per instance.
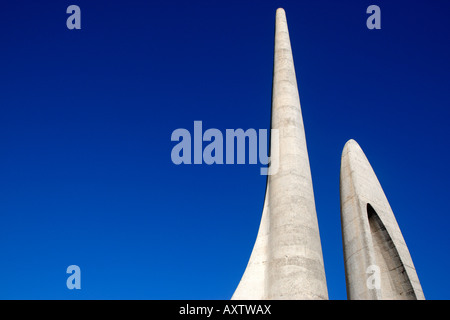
(395, 283)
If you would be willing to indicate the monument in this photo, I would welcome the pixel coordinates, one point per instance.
(286, 261)
(378, 264)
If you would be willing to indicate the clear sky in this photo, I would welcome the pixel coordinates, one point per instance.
(86, 117)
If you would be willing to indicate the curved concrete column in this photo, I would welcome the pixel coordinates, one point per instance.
(378, 264)
(287, 261)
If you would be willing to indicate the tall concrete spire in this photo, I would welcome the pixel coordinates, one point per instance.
(287, 261)
(378, 264)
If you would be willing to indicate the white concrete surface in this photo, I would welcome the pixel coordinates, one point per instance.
(371, 235)
(287, 261)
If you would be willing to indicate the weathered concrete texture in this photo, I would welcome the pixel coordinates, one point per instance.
(286, 262)
(371, 236)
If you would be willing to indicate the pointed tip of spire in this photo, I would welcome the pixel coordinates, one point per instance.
(350, 145)
(280, 11)
(351, 142)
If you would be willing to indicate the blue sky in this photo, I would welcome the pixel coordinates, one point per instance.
(86, 118)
